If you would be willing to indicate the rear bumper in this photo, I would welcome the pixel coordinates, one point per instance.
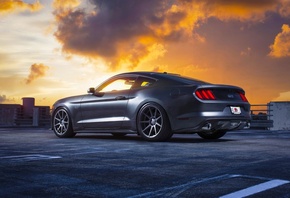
(211, 117)
(217, 124)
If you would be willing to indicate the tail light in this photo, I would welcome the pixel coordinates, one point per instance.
(205, 94)
(243, 97)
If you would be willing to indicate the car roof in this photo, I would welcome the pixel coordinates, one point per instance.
(177, 78)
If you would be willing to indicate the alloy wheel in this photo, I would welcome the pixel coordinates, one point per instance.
(151, 121)
(61, 122)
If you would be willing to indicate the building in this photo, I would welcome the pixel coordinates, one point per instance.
(27, 114)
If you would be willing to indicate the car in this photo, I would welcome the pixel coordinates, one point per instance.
(155, 106)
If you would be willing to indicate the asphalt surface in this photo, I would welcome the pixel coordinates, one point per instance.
(36, 163)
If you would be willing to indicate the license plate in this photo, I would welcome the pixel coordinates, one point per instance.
(236, 110)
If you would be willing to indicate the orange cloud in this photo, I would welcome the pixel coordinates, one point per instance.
(5, 99)
(2, 98)
(36, 71)
(281, 46)
(7, 6)
(125, 33)
(246, 52)
(284, 8)
(59, 4)
(160, 68)
(113, 32)
(254, 10)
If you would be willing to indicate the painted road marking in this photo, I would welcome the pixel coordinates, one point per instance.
(256, 189)
(30, 157)
(175, 191)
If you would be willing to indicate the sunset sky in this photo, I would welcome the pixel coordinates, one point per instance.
(51, 49)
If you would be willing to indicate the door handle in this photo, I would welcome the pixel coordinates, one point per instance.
(120, 98)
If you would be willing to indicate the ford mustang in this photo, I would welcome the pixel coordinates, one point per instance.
(154, 106)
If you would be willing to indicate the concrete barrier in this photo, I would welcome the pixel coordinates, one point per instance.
(280, 115)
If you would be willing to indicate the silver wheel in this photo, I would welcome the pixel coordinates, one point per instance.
(61, 123)
(153, 123)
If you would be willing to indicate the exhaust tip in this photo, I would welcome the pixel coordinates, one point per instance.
(247, 126)
(207, 127)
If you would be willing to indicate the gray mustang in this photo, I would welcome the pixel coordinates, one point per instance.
(154, 106)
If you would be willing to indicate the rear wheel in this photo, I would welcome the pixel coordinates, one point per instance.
(212, 135)
(152, 123)
(61, 123)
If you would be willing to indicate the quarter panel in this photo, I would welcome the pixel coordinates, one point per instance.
(166, 97)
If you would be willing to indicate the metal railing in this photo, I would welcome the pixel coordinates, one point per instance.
(261, 116)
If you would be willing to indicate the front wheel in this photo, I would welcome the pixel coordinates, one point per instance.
(212, 135)
(152, 123)
(61, 124)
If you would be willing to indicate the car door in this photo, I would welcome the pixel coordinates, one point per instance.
(106, 108)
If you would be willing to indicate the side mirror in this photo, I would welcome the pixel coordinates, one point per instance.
(91, 90)
(99, 94)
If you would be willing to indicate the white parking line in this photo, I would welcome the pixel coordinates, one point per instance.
(256, 189)
(175, 191)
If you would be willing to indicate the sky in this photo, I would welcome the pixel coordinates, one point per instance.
(50, 49)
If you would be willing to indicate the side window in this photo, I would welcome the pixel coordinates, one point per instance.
(118, 85)
(144, 82)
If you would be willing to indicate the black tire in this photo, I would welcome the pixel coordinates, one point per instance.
(61, 124)
(153, 123)
(212, 135)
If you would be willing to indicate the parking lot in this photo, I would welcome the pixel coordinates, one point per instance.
(35, 163)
